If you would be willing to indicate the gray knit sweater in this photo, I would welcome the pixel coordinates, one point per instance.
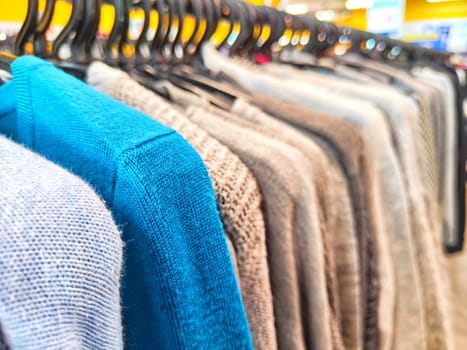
(60, 258)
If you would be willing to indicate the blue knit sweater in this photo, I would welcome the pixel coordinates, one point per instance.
(179, 289)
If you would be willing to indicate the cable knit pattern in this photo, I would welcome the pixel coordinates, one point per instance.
(237, 194)
(60, 260)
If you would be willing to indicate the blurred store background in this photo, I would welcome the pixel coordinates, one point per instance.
(438, 24)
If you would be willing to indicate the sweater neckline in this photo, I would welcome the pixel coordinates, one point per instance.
(16, 96)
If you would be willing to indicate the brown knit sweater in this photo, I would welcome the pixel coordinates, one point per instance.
(237, 195)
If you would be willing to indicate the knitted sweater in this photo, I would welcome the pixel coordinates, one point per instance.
(179, 288)
(293, 237)
(401, 115)
(309, 170)
(332, 212)
(237, 194)
(347, 146)
(342, 261)
(60, 258)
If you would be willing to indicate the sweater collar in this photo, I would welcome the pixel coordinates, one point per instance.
(15, 96)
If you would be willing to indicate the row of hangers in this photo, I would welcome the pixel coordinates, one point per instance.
(250, 29)
(246, 33)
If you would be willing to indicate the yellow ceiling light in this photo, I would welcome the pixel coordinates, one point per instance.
(359, 4)
(297, 9)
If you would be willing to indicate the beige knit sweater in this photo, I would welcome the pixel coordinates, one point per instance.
(294, 240)
(345, 139)
(237, 195)
(401, 116)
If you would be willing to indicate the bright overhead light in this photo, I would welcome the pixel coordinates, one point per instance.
(297, 9)
(440, 0)
(359, 4)
(325, 15)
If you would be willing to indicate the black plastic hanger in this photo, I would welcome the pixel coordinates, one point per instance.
(212, 10)
(116, 32)
(246, 41)
(40, 40)
(142, 39)
(277, 27)
(311, 25)
(196, 8)
(123, 37)
(93, 29)
(170, 32)
(76, 16)
(247, 22)
(176, 44)
(79, 48)
(157, 42)
(227, 13)
(261, 20)
(28, 28)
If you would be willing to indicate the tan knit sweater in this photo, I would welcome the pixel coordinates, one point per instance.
(343, 137)
(294, 240)
(237, 195)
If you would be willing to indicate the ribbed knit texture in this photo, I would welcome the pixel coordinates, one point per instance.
(293, 237)
(60, 258)
(179, 288)
(237, 194)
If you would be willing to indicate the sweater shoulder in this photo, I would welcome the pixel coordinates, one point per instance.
(70, 239)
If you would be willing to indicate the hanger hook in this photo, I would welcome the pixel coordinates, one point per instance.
(28, 27)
